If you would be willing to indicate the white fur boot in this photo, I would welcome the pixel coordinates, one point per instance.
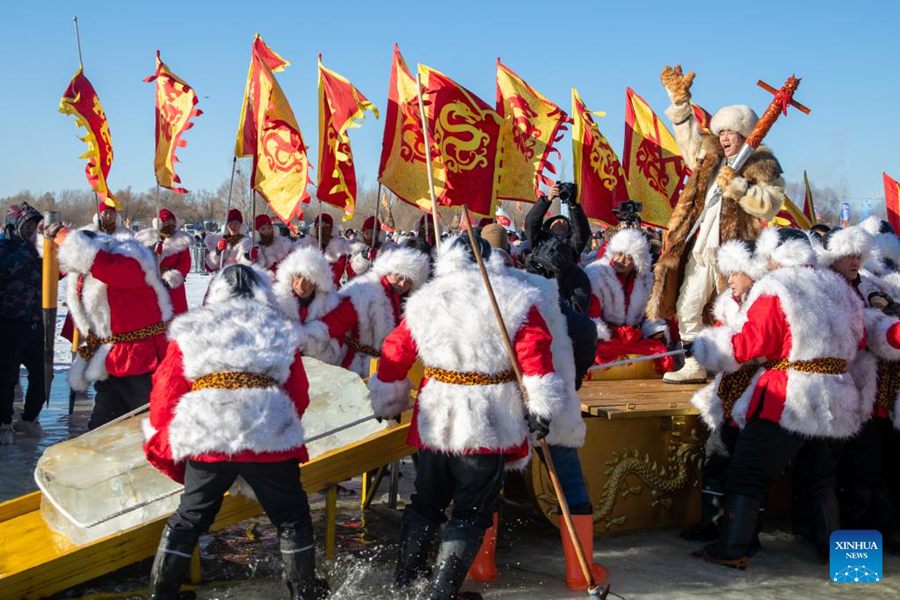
(691, 372)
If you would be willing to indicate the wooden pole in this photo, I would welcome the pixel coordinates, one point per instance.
(49, 289)
(434, 214)
(375, 224)
(517, 369)
(228, 208)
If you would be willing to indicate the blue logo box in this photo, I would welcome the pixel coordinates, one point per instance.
(856, 556)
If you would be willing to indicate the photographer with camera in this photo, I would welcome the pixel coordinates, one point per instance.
(557, 243)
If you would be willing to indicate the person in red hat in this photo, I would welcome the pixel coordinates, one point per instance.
(173, 253)
(366, 248)
(335, 247)
(232, 247)
(272, 247)
(108, 221)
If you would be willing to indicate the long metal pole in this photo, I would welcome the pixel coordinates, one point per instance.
(375, 224)
(228, 208)
(434, 214)
(78, 43)
(545, 450)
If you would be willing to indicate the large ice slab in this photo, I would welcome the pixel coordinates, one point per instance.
(100, 483)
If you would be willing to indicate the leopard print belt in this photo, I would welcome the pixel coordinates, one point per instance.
(732, 385)
(822, 366)
(463, 378)
(360, 347)
(888, 383)
(232, 380)
(92, 343)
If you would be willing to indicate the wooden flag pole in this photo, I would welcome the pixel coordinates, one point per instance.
(375, 224)
(434, 214)
(228, 208)
(593, 588)
(49, 289)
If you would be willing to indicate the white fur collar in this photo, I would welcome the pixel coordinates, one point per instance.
(608, 289)
(175, 243)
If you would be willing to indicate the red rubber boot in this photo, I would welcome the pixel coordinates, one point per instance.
(584, 527)
(484, 568)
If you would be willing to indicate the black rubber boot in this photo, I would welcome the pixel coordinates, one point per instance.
(707, 529)
(737, 530)
(298, 551)
(826, 519)
(172, 563)
(459, 544)
(417, 537)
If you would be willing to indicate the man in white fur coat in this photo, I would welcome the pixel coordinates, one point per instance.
(621, 282)
(121, 308)
(173, 253)
(807, 335)
(372, 305)
(469, 421)
(864, 498)
(686, 280)
(231, 247)
(272, 248)
(305, 292)
(227, 402)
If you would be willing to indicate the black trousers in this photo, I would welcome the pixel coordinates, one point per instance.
(762, 451)
(21, 344)
(276, 485)
(720, 448)
(862, 478)
(118, 395)
(472, 482)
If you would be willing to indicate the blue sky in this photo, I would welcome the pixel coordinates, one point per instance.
(847, 54)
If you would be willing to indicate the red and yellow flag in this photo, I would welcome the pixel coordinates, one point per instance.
(532, 126)
(81, 101)
(601, 180)
(280, 164)
(340, 107)
(175, 107)
(402, 166)
(465, 132)
(653, 165)
(809, 210)
(262, 58)
(791, 216)
(892, 201)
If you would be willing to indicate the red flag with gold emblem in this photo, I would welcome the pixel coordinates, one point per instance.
(262, 58)
(892, 201)
(340, 107)
(175, 107)
(402, 166)
(791, 216)
(280, 164)
(532, 126)
(653, 165)
(465, 132)
(598, 172)
(80, 100)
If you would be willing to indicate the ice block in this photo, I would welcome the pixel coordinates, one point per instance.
(99, 483)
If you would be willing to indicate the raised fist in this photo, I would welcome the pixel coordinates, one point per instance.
(221, 246)
(677, 84)
(733, 186)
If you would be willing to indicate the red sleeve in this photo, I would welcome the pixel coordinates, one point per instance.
(532, 345)
(595, 311)
(765, 334)
(118, 270)
(169, 385)
(893, 335)
(398, 353)
(183, 262)
(341, 320)
(297, 385)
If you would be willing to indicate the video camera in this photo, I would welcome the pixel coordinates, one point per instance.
(568, 191)
(628, 213)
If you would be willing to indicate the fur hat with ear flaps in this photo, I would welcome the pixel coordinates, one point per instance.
(737, 256)
(787, 247)
(633, 243)
(308, 263)
(240, 281)
(838, 243)
(739, 118)
(405, 262)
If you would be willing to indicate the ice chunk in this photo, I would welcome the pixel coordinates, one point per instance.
(100, 483)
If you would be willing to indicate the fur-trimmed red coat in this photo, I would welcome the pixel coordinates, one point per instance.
(113, 288)
(797, 314)
(222, 425)
(269, 256)
(174, 263)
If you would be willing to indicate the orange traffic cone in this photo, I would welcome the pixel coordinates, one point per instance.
(483, 567)
(584, 527)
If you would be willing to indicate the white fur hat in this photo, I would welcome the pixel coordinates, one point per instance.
(307, 262)
(221, 288)
(736, 117)
(634, 243)
(838, 243)
(406, 262)
(885, 242)
(787, 247)
(737, 256)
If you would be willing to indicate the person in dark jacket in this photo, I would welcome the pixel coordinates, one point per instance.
(21, 326)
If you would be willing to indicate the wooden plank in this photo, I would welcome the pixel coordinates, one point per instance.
(637, 398)
(20, 506)
(36, 562)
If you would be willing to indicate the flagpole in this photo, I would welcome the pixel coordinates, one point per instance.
(228, 207)
(434, 217)
(375, 224)
(158, 224)
(78, 43)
